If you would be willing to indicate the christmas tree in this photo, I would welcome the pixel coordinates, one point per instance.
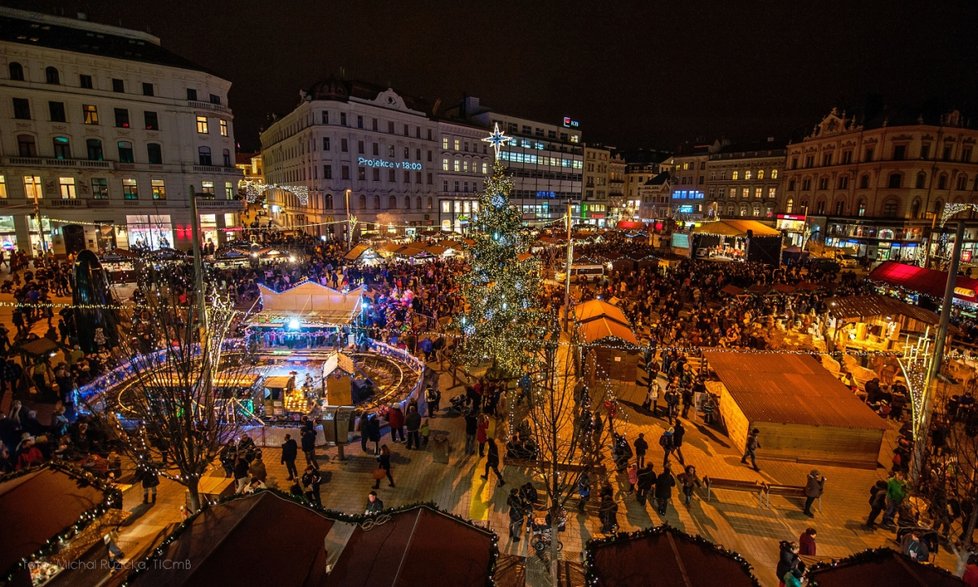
(500, 323)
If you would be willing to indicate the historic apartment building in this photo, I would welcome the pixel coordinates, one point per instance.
(687, 171)
(875, 186)
(743, 180)
(108, 135)
(597, 185)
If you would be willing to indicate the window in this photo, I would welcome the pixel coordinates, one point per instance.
(344, 145)
(868, 155)
(207, 188)
(327, 172)
(390, 151)
(376, 202)
(760, 174)
(147, 89)
(3, 187)
(820, 207)
(864, 181)
(391, 203)
(57, 111)
(840, 207)
(890, 208)
(90, 112)
(360, 147)
(736, 175)
(361, 173)
(962, 182)
(224, 127)
(125, 152)
(62, 148)
(966, 154)
(342, 118)
(67, 187)
(359, 121)
(227, 158)
(118, 85)
(899, 152)
(204, 155)
(942, 181)
(915, 208)
(151, 121)
(329, 202)
(861, 208)
(26, 146)
(85, 81)
(22, 109)
(772, 192)
(16, 71)
(774, 174)
(94, 148)
(51, 75)
(925, 151)
(100, 188)
(345, 172)
(745, 193)
(758, 192)
(154, 153)
(823, 183)
(228, 193)
(407, 153)
(129, 189)
(827, 158)
(191, 94)
(457, 165)
(122, 118)
(202, 125)
(921, 180)
(375, 174)
(843, 182)
(444, 164)
(215, 99)
(325, 143)
(747, 175)
(32, 187)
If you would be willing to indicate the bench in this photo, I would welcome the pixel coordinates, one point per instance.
(714, 483)
(767, 490)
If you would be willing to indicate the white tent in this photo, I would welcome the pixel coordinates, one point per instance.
(307, 304)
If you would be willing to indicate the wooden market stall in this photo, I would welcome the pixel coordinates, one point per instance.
(611, 353)
(803, 413)
(338, 372)
(876, 323)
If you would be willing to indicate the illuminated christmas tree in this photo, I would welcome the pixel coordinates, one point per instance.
(501, 322)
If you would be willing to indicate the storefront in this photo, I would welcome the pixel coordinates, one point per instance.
(878, 242)
(153, 231)
(794, 226)
(8, 235)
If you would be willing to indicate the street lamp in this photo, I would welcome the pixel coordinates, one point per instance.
(349, 225)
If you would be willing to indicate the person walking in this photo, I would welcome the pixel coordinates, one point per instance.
(665, 441)
(750, 449)
(150, 480)
(373, 431)
(814, 487)
(646, 482)
(290, 451)
(492, 462)
(632, 473)
(651, 402)
(896, 491)
(608, 513)
(413, 424)
(583, 491)
(641, 447)
(471, 425)
(687, 400)
(384, 462)
(374, 504)
(240, 473)
(689, 481)
(364, 425)
(806, 542)
(516, 515)
(482, 432)
(877, 502)
(663, 489)
(309, 446)
(311, 480)
(395, 418)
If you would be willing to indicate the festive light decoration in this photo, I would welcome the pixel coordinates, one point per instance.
(871, 556)
(497, 139)
(253, 189)
(499, 322)
(112, 499)
(592, 545)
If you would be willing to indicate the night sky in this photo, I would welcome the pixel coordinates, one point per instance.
(634, 73)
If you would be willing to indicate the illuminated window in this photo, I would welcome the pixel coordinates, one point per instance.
(485, 167)
(202, 125)
(91, 113)
(465, 166)
(747, 175)
(158, 187)
(229, 192)
(772, 192)
(457, 165)
(733, 192)
(774, 174)
(444, 164)
(760, 174)
(3, 187)
(224, 128)
(736, 175)
(745, 193)
(207, 187)
(444, 143)
(686, 167)
(457, 144)
(130, 191)
(100, 188)
(67, 187)
(758, 192)
(788, 206)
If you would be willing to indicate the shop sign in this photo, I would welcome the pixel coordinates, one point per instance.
(385, 163)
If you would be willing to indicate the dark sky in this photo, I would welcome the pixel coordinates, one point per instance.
(634, 73)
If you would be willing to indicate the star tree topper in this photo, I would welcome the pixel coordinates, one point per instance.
(497, 139)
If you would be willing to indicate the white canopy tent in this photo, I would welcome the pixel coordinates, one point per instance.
(307, 304)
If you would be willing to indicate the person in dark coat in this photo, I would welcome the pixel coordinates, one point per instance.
(471, 426)
(374, 504)
(373, 432)
(384, 462)
(413, 424)
(877, 502)
(806, 542)
(364, 430)
(787, 560)
(311, 480)
(678, 433)
(290, 450)
(492, 462)
(608, 514)
(646, 481)
(309, 446)
(663, 490)
(641, 447)
(150, 480)
(814, 487)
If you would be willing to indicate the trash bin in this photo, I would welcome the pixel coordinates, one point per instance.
(440, 446)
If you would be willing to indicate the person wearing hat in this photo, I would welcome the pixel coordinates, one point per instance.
(28, 455)
(814, 487)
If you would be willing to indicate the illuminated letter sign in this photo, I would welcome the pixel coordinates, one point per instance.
(408, 165)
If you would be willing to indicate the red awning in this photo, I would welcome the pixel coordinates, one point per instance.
(925, 281)
(630, 225)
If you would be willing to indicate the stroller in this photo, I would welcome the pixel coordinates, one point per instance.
(541, 530)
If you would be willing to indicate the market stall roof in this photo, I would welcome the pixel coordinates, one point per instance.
(790, 389)
(664, 556)
(439, 249)
(736, 228)
(37, 506)
(260, 539)
(310, 303)
(603, 327)
(925, 281)
(880, 567)
(862, 307)
(594, 309)
(38, 347)
(412, 250)
(418, 546)
(357, 252)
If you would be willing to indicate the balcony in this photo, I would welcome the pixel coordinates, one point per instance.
(208, 106)
(217, 169)
(49, 162)
(215, 204)
(64, 203)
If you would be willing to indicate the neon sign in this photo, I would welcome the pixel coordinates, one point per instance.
(408, 165)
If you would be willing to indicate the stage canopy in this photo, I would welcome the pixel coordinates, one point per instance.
(736, 228)
(880, 567)
(664, 556)
(418, 546)
(37, 506)
(307, 304)
(925, 281)
(260, 539)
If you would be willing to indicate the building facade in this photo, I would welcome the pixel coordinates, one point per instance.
(616, 186)
(466, 160)
(687, 172)
(108, 136)
(876, 187)
(743, 181)
(597, 185)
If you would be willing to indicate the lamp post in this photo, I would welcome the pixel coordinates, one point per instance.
(349, 225)
(40, 224)
(567, 269)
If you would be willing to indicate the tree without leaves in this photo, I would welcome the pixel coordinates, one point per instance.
(171, 404)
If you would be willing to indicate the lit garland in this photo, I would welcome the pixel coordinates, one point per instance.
(872, 556)
(112, 499)
(335, 515)
(591, 573)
